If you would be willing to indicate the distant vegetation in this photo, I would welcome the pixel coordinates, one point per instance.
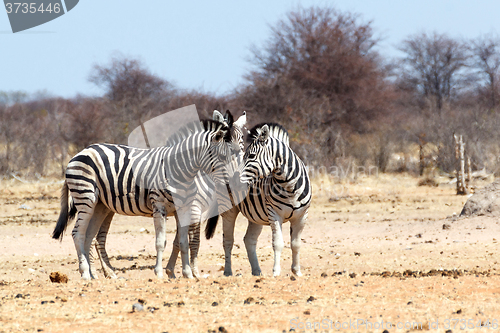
(321, 74)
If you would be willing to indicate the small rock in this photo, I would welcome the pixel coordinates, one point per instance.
(324, 274)
(293, 278)
(357, 254)
(352, 275)
(222, 329)
(446, 226)
(215, 304)
(57, 277)
(310, 299)
(307, 312)
(137, 307)
(248, 300)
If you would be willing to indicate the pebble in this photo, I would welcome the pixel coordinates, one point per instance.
(137, 307)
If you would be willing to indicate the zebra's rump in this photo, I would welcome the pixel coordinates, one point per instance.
(119, 176)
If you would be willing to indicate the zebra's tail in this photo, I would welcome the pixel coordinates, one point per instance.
(211, 226)
(65, 215)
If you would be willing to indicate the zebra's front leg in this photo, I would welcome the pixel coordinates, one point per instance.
(184, 247)
(278, 244)
(194, 246)
(296, 227)
(159, 218)
(250, 239)
(228, 222)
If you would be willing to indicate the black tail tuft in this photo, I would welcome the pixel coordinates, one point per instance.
(211, 226)
(212, 221)
(65, 215)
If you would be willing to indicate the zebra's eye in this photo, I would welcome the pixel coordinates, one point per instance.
(251, 155)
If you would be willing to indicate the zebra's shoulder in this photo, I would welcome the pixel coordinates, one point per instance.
(276, 131)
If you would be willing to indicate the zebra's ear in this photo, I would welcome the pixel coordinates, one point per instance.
(242, 120)
(264, 134)
(218, 117)
(229, 118)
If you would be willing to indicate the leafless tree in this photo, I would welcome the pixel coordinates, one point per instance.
(132, 92)
(486, 58)
(433, 66)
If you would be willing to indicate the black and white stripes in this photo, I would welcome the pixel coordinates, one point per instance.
(279, 191)
(105, 179)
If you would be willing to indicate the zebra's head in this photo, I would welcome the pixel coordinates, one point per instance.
(258, 159)
(236, 128)
(219, 152)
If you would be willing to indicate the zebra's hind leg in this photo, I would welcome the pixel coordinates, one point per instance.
(100, 246)
(87, 224)
(228, 222)
(296, 227)
(194, 245)
(173, 257)
(250, 239)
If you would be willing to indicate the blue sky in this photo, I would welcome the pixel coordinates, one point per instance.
(199, 44)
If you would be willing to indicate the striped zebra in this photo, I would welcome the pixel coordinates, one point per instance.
(279, 191)
(219, 194)
(105, 179)
(205, 198)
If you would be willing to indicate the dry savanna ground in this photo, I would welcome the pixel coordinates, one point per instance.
(378, 254)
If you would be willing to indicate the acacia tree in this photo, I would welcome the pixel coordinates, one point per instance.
(433, 67)
(486, 59)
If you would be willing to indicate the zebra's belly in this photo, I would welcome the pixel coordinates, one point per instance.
(261, 214)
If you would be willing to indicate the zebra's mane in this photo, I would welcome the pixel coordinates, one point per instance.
(208, 125)
(276, 131)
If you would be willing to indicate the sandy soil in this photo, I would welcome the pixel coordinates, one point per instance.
(379, 254)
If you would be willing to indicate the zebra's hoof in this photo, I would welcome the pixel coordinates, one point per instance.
(170, 273)
(187, 274)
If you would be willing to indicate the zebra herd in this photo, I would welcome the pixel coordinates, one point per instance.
(267, 183)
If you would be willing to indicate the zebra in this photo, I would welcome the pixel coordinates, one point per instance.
(206, 191)
(279, 191)
(105, 179)
(222, 204)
